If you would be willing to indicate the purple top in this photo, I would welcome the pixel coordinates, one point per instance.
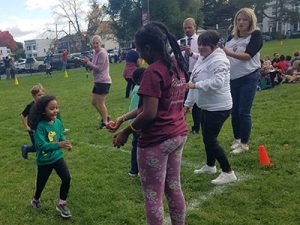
(100, 66)
(170, 120)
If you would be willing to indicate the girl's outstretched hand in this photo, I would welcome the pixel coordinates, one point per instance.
(113, 126)
(65, 144)
(120, 138)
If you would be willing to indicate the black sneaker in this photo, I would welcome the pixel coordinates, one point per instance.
(36, 203)
(102, 126)
(64, 210)
(24, 152)
(194, 132)
(133, 174)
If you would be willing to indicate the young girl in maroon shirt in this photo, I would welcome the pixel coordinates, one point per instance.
(160, 122)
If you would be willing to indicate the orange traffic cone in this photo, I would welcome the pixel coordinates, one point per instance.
(263, 156)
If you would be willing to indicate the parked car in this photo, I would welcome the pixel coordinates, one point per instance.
(266, 37)
(293, 34)
(113, 55)
(20, 65)
(33, 65)
(72, 62)
(124, 52)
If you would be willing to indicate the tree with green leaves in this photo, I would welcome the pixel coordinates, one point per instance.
(221, 12)
(284, 12)
(126, 15)
(20, 52)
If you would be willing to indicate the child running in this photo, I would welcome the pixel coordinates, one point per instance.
(49, 142)
(37, 91)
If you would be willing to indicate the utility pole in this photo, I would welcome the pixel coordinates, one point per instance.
(69, 47)
(56, 31)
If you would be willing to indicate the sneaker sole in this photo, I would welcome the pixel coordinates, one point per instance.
(24, 154)
(34, 206)
(133, 174)
(62, 215)
(223, 183)
(236, 153)
(195, 172)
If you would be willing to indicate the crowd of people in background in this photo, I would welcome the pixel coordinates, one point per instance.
(281, 69)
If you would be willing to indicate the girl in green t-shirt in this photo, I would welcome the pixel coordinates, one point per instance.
(49, 142)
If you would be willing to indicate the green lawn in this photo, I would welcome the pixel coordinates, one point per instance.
(101, 191)
(285, 47)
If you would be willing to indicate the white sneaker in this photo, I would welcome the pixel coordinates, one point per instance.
(206, 169)
(241, 148)
(225, 178)
(235, 143)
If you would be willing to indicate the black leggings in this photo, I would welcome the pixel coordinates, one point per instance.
(211, 124)
(129, 87)
(62, 171)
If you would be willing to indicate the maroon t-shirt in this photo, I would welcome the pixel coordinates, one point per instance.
(170, 120)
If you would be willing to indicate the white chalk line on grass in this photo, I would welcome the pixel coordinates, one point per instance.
(104, 147)
(202, 198)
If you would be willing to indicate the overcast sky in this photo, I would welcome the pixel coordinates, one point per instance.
(30, 19)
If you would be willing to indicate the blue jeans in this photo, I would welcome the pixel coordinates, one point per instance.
(243, 91)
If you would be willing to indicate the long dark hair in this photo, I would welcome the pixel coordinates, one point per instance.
(38, 111)
(157, 36)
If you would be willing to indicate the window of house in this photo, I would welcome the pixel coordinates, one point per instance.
(33, 47)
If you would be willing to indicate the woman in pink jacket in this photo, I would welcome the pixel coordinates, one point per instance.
(102, 80)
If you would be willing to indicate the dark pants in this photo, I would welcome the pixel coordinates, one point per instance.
(31, 148)
(48, 72)
(129, 87)
(43, 174)
(211, 124)
(196, 114)
(134, 166)
(243, 92)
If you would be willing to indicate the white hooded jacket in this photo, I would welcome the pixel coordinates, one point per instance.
(212, 80)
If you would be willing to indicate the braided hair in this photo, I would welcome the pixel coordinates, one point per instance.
(157, 36)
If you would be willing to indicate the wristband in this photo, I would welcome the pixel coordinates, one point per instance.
(124, 118)
(132, 128)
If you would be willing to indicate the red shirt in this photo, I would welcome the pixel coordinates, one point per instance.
(170, 120)
(281, 65)
(65, 56)
(129, 69)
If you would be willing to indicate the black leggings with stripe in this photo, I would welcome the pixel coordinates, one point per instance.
(44, 172)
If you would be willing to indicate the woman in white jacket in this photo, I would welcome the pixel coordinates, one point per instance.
(210, 90)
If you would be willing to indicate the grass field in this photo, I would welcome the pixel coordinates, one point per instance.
(101, 191)
(285, 47)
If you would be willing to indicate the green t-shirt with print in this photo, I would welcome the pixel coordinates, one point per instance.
(47, 136)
